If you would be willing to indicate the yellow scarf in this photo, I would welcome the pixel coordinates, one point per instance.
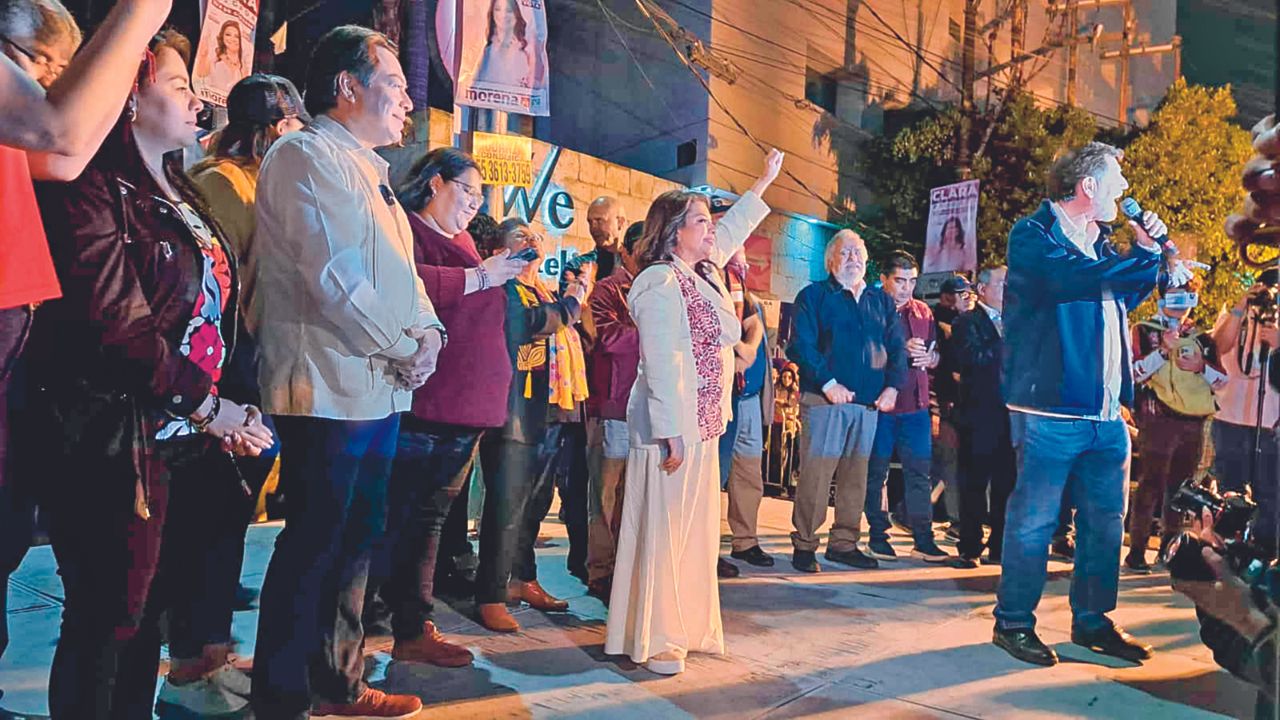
(562, 352)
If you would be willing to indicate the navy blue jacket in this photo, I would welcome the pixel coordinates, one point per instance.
(858, 343)
(1053, 315)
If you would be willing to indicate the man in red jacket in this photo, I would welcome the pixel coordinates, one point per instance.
(615, 358)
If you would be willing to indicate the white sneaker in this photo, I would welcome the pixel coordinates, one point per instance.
(222, 692)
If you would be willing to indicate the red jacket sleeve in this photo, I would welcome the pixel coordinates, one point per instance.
(616, 332)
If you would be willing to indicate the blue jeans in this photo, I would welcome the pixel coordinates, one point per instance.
(910, 435)
(310, 640)
(1090, 460)
(744, 435)
(431, 466)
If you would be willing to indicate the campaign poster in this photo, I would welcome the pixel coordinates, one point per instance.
(502, 56)
(951, 239)
(225, 53)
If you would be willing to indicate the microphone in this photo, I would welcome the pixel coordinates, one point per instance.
(387, 195)
(1133, 211)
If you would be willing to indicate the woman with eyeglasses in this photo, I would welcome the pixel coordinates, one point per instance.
(129, 413)
(550, 377)
(40, 37)
(462, 400)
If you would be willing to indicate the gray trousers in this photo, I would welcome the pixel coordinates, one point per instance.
(836, 443)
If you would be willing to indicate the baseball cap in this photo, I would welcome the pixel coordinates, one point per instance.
(956, 284)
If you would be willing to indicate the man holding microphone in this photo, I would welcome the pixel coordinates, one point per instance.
(1067, 371)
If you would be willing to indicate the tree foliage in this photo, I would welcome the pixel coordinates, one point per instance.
(1018, 149)
(1186, 166)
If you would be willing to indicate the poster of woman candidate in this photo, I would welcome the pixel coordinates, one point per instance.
(225, 54)
(502, 63)
(951, 239)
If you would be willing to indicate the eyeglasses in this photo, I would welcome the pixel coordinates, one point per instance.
(39, 59)
(472, 192)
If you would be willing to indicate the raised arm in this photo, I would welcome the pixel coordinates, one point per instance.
(737, 224)
(80, 108)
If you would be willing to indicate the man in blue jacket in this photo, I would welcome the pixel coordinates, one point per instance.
(848, 343)
(1067, 371)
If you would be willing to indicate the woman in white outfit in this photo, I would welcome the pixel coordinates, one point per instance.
(665, 602)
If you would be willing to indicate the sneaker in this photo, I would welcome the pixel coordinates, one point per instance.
(1063, 549)
(854, 558)
(222, 692)
(753, 556)
(882, 550)
(371, 704)
(930, 553)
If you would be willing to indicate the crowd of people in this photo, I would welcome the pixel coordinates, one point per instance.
(282, 301)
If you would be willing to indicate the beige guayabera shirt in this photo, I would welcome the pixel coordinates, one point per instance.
(338, 297)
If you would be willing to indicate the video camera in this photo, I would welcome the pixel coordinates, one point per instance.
(1262, 305)
(1232, 516)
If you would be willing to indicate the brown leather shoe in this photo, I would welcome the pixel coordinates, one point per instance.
(539, 599)
(372, 704)
(497, 618)
(514, 594)
(431, 648)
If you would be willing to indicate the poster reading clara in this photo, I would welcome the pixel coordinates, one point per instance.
(951, 240)
(225, 55)
(502, 59)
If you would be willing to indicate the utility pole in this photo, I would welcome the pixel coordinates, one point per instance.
(967, 59)
(1018, 37)
(1073, 50)
(1126, 40)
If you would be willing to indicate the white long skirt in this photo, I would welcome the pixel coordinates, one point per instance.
(665, 594)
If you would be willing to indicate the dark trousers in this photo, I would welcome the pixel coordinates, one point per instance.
(17, 510)
(910, 437)
(1170, 449)
(516, 488)
(310, 639)
(573, 477)
(431, 466)
(987, 463)
(209, 512)
(456, 560)
(118, 578)
(1233, 466)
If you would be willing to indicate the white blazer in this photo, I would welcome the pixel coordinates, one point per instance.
(664, 402)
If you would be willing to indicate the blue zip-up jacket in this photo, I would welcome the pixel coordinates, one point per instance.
(1053, 315)
(857, 343)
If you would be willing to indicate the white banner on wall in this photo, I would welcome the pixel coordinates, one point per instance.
(225, 54)
(951, 239)
(501, 61)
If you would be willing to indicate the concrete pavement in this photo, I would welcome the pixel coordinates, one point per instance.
(906, 641)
